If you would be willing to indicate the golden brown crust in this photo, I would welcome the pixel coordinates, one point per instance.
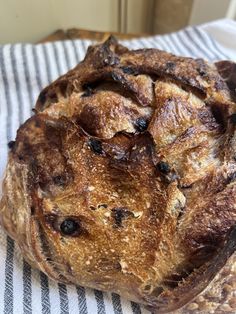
(124, 179)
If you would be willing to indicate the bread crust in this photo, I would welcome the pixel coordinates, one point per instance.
(124, 179)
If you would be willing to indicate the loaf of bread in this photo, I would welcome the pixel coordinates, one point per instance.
(124, 179)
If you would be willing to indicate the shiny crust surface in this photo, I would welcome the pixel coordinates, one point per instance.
(124, 179)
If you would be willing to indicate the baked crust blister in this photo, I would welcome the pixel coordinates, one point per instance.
(124, 179)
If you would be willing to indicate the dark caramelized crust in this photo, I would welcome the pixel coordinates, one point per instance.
(124, 179)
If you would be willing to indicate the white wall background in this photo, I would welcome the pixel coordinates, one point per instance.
(31, 20)
(208, 10)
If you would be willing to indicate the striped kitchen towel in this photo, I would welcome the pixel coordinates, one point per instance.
(24, 70)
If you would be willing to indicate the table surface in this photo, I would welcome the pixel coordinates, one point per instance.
(78, 33)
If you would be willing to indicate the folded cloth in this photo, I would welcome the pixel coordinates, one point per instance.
(24, 70)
